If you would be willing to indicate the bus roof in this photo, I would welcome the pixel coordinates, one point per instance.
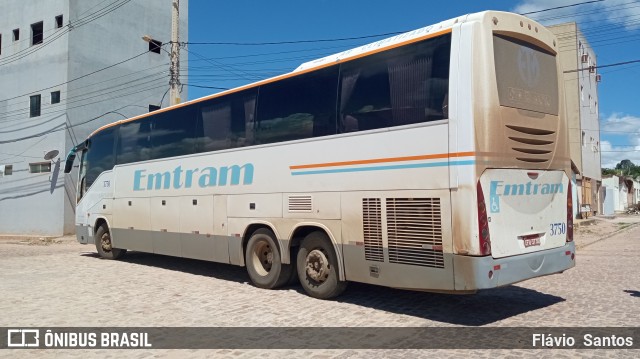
(384, 44)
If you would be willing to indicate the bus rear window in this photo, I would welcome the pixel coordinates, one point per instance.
(526, 75)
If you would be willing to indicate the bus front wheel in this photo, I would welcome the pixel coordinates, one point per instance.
(263, 261)
(318, 267)
(104, 246)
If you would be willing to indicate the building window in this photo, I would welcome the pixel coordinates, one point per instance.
(37, 33)
(16, 34)
(55, 97)
(6, 170)
(153, 108)
(584, 139)
(40, 167)
(58, 21)
(35, 102)
(155, 46)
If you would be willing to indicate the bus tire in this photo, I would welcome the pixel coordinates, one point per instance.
(293, 278)
(263, 261)
(104, 244)
(318, 267)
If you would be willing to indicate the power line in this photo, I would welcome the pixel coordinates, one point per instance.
(78, 78)
(68, 28)
(207, 87)
(561, 7)
(16, 117)
(603, 66)
(293, 41)
(84, 96)
(64, 126)
(615, 7)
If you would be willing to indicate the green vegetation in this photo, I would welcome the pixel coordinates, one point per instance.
(624, 168)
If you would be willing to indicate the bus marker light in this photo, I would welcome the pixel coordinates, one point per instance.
(496, 267)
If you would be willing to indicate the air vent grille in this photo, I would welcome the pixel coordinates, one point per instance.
(414, 228)
(299, 204)
(531, 145)
(372, 229)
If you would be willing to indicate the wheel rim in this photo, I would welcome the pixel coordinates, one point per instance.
(318, 267)
(262, 257)
(105, 242)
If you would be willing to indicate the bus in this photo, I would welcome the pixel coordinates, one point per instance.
(434, 160)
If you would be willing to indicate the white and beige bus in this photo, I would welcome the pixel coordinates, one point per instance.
(434, 160)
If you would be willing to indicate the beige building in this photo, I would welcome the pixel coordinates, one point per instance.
(581, 92)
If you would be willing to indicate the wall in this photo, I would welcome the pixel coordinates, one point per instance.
(567, 41)
(581, 95)
(44, 203)
(589, 111)
(31, 203)
(125, 90)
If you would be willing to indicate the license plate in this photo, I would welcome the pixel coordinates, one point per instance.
(530, 242)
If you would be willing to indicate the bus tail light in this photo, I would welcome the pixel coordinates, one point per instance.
(569, 214)
(484, 237)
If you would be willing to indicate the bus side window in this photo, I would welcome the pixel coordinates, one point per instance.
(396, 87)
(173, 132)
(134, 141)
(299, 107)
(225, 122)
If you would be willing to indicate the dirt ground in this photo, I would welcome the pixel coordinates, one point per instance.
(597, 228)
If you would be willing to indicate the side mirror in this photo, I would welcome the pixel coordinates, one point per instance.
(69, 162)
(71, 156)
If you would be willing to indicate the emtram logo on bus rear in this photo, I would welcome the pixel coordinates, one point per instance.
(499, 189)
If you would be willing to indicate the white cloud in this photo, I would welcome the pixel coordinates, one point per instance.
(626, 145)
(619, 12)
(621, 124)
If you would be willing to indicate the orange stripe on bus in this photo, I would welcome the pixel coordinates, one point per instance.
(274, 79)
(384, 160)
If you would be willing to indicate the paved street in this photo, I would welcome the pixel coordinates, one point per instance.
(66, 284)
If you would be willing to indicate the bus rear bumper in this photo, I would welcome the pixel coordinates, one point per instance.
(473, 273)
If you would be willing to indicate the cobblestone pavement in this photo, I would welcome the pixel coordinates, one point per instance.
(60, 283)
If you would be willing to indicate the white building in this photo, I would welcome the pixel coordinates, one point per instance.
(581, 93)
(613, 194)
(57, 86)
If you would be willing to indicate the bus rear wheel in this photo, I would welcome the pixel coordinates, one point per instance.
(263, 260)
(104, 246)
(318, 267)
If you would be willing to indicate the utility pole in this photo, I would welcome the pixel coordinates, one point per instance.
(175, 54)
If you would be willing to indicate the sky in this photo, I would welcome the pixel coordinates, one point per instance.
(612, 27)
